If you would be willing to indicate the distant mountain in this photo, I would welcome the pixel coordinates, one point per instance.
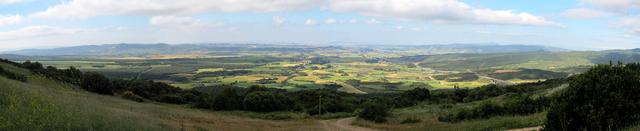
(148, 49)
(213, 49)
(473, 48)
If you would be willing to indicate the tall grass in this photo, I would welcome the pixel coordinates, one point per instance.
(26, 106)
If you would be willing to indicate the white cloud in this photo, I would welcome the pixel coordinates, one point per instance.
(310, 22)
(441, 11)
(631, 24)
(619, 6)
(4, 2)
(330, 21)
(278, 20)
(585, 13)
(182, 23)
(81, 9)
(37, 31)
(9, 20)
(448, 11)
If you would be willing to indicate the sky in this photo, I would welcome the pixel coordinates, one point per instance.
(571, 24)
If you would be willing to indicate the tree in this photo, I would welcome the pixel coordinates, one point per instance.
(418, 94)
(267, 101)
(603, 98)
(97, 83)
(374, 111)
(228, 99)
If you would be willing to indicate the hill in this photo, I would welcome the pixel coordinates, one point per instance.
(45, 104)
(234, 49)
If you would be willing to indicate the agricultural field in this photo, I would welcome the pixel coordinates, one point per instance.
(344, 70)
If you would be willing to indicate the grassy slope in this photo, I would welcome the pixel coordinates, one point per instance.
(43, 104)
(428, 116)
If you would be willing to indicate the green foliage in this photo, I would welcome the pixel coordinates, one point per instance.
(374, 111)
(264, 101)
(529, 74)
(228, 100)
(319, 60)
(97, 83)
(515, 105)
(603, 98)
(131, 96)
(12, 75)
(332, 101)
(460, 77)
(489, 91)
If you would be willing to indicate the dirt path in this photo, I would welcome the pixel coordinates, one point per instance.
(349, 88)
(537, 128)
(145, 71)
(343, 124)
(496, 80)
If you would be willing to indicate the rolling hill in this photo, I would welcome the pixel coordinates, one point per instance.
(45, 104)
(216, 49)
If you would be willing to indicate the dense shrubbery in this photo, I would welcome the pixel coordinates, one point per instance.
(515, 105)
(12, 75)
(489, 91)
(267, 101)
(529, 74)
(98, 83)
(603, 98)
(374, 111)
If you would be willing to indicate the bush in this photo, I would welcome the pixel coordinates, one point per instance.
(374, 111)
(131, 96)
(12, 75)
(603, 98)
(97, 83)
(265, 101)
(228, 99)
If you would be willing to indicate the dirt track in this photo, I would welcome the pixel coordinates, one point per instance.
(343, 124)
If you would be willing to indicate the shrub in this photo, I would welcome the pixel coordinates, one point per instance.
(265, 101)
(603, 98)
(131, 96)
(12, 75)
(374, 111)
(228, 99)
(97, 83)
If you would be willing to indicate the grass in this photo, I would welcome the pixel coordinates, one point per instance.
(427, 115)
(43, 104)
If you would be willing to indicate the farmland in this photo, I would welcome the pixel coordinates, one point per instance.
(349, 69)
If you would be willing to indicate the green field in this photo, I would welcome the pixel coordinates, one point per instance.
(352, 72)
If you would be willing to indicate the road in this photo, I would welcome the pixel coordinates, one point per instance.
(343, 124)
(495, 80)
(145, 71)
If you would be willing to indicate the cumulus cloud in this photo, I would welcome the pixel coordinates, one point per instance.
(449, 11)
(81, 9)
(9, 20)
(38, 31)
(278, 20)
(182, 23)
(441, 11)
(631, 24)
(585, 13)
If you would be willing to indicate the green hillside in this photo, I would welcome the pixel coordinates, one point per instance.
(44, 104)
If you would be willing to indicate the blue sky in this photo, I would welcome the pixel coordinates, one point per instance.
(572, 24)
